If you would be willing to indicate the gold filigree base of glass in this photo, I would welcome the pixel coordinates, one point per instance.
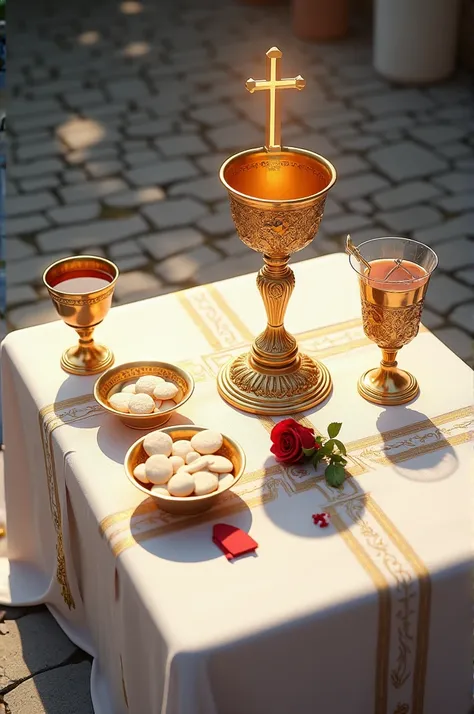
(388, 385)
(277, 202)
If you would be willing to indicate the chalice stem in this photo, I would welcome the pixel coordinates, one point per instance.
(87, 354)
(85, 336)
(275, 348)
(389, 358)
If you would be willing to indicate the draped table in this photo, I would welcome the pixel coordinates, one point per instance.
(372, 614)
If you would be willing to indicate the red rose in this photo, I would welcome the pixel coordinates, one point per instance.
(289, 439)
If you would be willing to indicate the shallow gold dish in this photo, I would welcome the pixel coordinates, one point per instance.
(190, 505)
(117, 377)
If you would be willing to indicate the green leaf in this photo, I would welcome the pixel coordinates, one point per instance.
(340, 446)
(324, 450)
(309, 452)
(317, 458)
(334, 428)
(329, 445)
(335, 475)
(337, 458)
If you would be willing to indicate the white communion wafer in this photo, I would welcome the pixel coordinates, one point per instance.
(181, 484)
(129, 389)
(158, 469)
(207, 442)
(219, 464)
(158, 442)
(225, 480)
(159, 490)
(205, 482)
(181, 447)
(120, 402)
(197, 465)
(141, 404)
(176, 462)
(167, 404)
(147, 384)
(165, 390)
(192, 456)
(139, 473)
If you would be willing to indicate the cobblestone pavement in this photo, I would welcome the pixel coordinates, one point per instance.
(120, 118)
(118, 122)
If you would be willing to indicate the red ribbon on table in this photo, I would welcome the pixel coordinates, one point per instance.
(232, 540)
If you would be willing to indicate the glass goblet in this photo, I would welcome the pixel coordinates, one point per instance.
(81, 288)
(392, 292)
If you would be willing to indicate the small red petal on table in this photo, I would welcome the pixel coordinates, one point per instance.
(322, 519)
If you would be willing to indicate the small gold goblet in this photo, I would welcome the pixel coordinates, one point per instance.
(393, 276)
(81, 288)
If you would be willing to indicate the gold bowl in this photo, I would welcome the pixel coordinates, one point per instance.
(117, 377)
(189, 505)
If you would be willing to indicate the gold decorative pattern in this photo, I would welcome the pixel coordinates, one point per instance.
(80, 301)
(383, 632)
(128, 373)
(391, 327)
(50, 418)
(275, 386)
(277, 232)
(424, 603)
(229, 313)
(405, 589)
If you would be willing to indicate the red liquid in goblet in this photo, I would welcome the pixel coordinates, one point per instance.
(81, 282)
(399, 279)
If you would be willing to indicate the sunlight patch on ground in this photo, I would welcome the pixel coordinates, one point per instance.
(89, 38)
(136, 49)
(131, 7)
(81, 133)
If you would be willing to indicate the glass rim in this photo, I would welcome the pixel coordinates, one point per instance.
(61, 261)
(399, 238)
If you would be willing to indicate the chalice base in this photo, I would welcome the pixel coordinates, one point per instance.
(85, 360)
(388, 387)
(245, 386)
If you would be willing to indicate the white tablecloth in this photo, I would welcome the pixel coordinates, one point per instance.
(369, 615)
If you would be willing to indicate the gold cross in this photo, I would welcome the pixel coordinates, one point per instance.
(273, 83)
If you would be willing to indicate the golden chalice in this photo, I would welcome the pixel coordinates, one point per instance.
(81, 288)
(277, 196)
(393, 275)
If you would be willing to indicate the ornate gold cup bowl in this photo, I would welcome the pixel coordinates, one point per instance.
(81, 288)
(393, 276)
(277, 196)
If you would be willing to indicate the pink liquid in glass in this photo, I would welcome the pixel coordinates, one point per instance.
(80, 282)
(399, 279)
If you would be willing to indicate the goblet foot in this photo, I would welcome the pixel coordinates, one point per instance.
(89, 359)
(388, 387)
(264, 392)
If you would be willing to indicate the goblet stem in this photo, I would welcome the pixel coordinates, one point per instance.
(387, 384)
(85, 336)
(275, 348)
(87, 357)
(389, 358)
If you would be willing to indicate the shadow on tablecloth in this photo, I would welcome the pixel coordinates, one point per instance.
(189, 539)
(436, 459)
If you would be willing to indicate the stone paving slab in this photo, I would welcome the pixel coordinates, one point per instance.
(57, 691)
(21, 654)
